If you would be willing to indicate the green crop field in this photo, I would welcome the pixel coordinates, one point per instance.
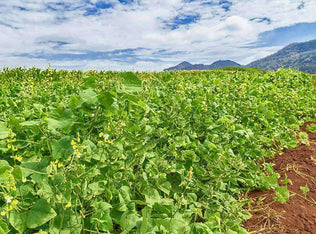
(122, 152)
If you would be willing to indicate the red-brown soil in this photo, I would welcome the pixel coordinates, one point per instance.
(298, 215)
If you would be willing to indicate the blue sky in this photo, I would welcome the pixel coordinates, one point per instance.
(148, 34)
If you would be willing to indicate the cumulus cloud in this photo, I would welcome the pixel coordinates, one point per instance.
(140, 34)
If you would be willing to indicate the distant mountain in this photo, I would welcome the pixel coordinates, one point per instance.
(217, 64)
(224, 63)
(300, 56)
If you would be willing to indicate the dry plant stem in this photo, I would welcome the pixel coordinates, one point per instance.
(294, 193)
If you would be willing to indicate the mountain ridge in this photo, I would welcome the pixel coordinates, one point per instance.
(300, 56)
(217, 64)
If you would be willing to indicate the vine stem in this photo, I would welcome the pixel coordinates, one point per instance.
(294, 193)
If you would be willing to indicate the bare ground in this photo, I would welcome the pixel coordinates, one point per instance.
(298, 215)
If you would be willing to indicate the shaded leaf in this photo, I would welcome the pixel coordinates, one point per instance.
(105, 99)
(62, 148)
(39, 214)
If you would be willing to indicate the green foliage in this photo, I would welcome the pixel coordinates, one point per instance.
(282, 194)
(304, 189)
(4, 131)
(3, 227)
(244, 69)
(166, 152)
(303, 137)
(311, 128)
(131, 83)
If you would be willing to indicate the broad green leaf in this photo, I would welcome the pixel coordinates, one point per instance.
(151, 196)
(30, 123)
(89, 81)
(62, 148)
(54, 124)
(105, 99)
(97, 187)
(4, 131)
(175, 225)
(4, 169)
(131, 82)
(125, 193)
(66, 223)
(89, 96)
(37, 170)
(146, 222)
(91, 149)
(128, 221)
(74, 101)
(59, 119)
(18, 221)
(3, 163)
(17, 173)
(40, 213)
(270, 181)
(201, 228)
(3, 227)
(164, 185)
(103, 220)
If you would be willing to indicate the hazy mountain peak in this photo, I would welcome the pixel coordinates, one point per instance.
(217, 64)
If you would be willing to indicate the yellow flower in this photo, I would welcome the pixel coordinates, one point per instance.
(73, 142)
(3, 213)
(101, 134)
(77, 153)
(68, 205)
(19, 158)
(15, 202)
(40, 231)
(60, 165)
(14, 148)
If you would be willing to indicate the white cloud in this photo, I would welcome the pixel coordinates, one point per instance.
(30, 27)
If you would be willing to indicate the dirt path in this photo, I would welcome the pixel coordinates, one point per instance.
(298, 215)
